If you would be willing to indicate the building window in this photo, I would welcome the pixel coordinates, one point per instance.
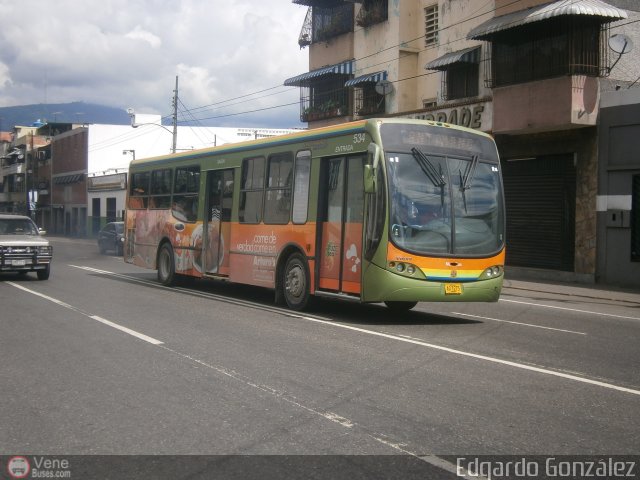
(326, 97)
(460, 81)
(635, 219)
(251, 190)
(429, 103)
(372, 12)
(367, 100)
(331, 22)
(568, 45)
(431, 26)
(111, 209)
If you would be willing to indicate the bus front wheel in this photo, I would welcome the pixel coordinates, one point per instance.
(400, 306)
(166, 265)
(295, 282)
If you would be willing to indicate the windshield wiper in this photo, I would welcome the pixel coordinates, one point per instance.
(428, 168)
(430, 171)
(467, 178)
(469, 172)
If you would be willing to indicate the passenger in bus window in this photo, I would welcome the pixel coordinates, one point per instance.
(178, 210)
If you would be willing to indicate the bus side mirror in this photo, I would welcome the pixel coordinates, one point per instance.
(371, 167)
(369, 179)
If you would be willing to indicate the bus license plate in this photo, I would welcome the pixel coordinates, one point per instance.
(453, 289)
(19, 263)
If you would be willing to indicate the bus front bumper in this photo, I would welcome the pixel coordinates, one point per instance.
(382, 285)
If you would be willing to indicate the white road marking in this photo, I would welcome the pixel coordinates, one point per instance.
(542, 305)
(60, 303)
(518, 323)
(139, 335)
(454, 351)
(331, 416)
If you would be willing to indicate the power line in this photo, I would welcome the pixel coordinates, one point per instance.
(203, 107)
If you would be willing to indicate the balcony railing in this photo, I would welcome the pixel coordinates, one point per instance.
(372, 12)
(324, 23)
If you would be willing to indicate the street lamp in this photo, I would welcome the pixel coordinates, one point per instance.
(132, 152)
(174, 133)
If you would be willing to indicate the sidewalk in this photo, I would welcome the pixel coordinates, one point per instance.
(592, 291)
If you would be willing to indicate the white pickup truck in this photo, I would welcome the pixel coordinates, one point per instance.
(23, 249)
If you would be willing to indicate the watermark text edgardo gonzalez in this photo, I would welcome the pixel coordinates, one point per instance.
(547, 467)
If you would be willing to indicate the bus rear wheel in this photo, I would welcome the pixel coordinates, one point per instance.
(166, 265)
(400, 306)
(295, 282)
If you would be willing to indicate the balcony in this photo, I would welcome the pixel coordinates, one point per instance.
(322, 110)
(543, 105)
(324, 23)
(372, 12)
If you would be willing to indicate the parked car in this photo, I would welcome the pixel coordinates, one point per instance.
(23, 249)
(111, 237)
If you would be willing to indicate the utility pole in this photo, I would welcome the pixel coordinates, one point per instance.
(175, 117)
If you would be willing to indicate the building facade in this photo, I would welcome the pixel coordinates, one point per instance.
(619, 188)
(72, 179)
(530, 72)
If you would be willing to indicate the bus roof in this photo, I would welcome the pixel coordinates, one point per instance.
(304, 135)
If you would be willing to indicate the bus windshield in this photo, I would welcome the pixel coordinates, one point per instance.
(445, 204)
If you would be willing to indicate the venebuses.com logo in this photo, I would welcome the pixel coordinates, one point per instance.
(18, 467)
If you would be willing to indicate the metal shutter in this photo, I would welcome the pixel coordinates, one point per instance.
(540, 202)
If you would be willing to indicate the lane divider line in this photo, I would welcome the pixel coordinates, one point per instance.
(542, 305)
(332, 323)
(60, 303)
(518, 323)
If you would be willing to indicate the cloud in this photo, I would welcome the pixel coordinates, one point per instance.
(138, 33)
(127, 53)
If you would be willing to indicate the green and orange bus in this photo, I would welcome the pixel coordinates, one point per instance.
(381, 210)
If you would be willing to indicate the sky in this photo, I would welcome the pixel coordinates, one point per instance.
(127, 54)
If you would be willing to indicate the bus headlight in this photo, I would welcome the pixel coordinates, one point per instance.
(492, 272)
(406, 269)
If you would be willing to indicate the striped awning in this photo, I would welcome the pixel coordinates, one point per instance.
(344, 68)
(468, 55)
(66, 179)
(594, 8)
(368, 78)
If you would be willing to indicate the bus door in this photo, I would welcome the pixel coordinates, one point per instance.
(340, 224)
(217, 223)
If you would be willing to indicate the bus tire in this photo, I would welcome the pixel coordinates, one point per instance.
(166, 265)
(400, 307)
(296, 282)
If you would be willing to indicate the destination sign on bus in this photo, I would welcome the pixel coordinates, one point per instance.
(396, 137)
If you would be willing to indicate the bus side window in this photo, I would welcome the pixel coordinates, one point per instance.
(301, 187)
(277, 203)
(139, 190)
(160, 189)
(251, 190)
(184, 207)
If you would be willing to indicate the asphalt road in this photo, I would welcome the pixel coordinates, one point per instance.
(101, 359)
